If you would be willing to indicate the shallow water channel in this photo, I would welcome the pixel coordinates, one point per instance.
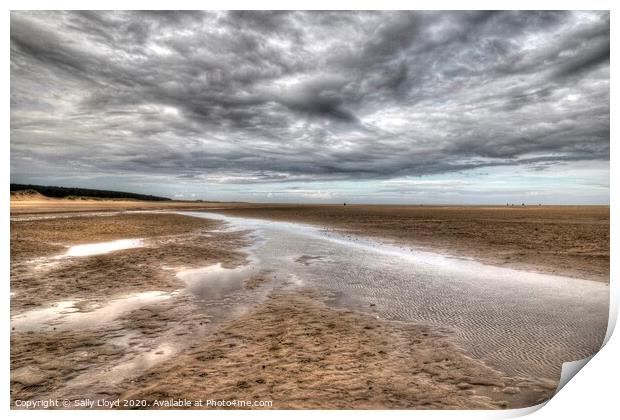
(517, 321)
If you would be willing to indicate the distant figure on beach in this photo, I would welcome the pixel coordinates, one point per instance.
(344, 204)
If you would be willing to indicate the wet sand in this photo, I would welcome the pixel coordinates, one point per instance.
(81, 321)
(278, 343)
(265, 338)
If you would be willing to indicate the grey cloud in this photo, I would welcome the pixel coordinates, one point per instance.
(264, 96)
(321, 97)
(594, 57)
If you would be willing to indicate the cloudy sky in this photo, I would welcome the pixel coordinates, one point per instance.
(396, 107)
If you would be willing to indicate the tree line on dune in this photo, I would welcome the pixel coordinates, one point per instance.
(63, 192)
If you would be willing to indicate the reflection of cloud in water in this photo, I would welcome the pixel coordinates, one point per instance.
(215, 281)
(85, 250)
(102, 248)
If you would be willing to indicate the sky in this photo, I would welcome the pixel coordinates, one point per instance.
(320, 107)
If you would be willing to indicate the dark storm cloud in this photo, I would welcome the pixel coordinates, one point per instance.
(264, 96)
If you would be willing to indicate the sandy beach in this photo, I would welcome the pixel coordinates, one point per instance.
(142, 323)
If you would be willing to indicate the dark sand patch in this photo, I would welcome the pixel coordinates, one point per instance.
(77, 362)
(257, 280)
(308, 259)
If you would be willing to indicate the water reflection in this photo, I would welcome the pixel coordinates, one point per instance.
(215, 281)
(102, 247)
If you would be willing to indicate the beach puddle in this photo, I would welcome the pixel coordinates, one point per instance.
(66, 315)
(102, 248)
(215, 281)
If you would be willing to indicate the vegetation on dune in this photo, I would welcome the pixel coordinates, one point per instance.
(74, 193)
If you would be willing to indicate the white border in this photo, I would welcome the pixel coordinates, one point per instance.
(312, 5)
(592, 394)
